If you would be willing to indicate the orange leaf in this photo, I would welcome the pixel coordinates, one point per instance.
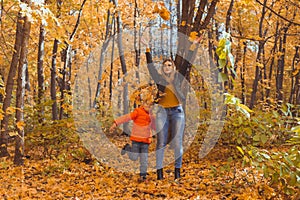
(165, 14)
(20, 125)
(164, 26)
(156, 9)
(193, 35)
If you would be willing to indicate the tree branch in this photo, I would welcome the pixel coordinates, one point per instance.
(295, 23)
(77, 22)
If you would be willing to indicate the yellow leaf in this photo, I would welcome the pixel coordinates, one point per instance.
(183, 23)
(12, 134)
(69, 125)
(20, 125)
(260, 65)
(245, 107)
(1, 81)
(240, 149)
(193, 35)
(10, 110)
(2, 91)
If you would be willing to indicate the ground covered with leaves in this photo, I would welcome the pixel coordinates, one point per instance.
(219, 175)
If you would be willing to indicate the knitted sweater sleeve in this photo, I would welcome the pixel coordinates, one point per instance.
(151, 68)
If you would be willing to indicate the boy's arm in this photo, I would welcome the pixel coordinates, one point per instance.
(120, 120)
(125, 118)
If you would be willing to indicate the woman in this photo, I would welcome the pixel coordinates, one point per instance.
(170, 114)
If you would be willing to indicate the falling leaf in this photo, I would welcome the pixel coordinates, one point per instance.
(156, 9)
(164, 26)
(164, 13)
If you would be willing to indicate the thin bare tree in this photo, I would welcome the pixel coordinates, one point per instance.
(21, 82)
(10, 83)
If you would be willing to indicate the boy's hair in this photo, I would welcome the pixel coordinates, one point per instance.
(144, 94)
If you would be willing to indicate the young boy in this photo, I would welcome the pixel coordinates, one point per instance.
(140, 136)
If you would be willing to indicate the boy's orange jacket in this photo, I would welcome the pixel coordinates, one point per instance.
(142, 124)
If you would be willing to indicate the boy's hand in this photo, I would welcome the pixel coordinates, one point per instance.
(112, 128)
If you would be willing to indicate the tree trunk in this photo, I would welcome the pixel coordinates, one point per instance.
(62, 81)
(211, 49)
(228, 84)
(136, 42)
(124, 70)
(21, 81)
(1, 10)
(294, 76)
(10, 84)
(297, 90)
(187, 24)
(280, 69)
(258, 58)
(171, 35)
(112, 63)
(273, 53)
(67, 69)
(53, 80)
(243, 72)
(53, 69)
(40, 73)
(102, 54)
(281, 62)
(111, 72)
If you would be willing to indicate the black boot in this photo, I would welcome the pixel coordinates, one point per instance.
(177, 173)
(160, 175)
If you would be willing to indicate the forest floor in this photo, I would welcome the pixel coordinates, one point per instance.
(212, 177)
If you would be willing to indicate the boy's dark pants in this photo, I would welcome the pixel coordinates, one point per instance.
(140, 149)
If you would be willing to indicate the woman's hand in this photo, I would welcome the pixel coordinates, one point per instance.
(198, 39)
(196, 42)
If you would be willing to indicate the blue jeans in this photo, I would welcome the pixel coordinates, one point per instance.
(166, 118)
(140, 149)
